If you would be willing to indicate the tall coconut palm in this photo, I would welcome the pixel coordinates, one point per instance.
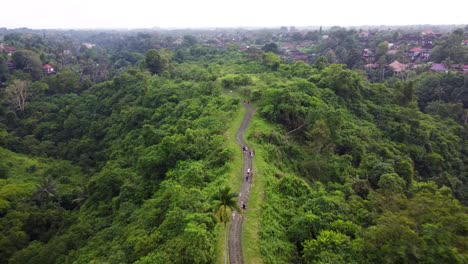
(226, 204)
(46, 191)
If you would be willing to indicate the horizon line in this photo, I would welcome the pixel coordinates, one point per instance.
(228, 27)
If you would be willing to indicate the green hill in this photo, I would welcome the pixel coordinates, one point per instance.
(349, 171)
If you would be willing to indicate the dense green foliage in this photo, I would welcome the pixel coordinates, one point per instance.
(379, 177)
(120, 156)
(152, 154)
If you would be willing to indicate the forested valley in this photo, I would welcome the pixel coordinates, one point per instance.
(114, 145)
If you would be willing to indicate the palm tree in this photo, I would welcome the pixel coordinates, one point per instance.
(226, 204)
(82, 195)
(46, 191)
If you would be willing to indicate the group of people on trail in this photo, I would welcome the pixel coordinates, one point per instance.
(248, 175)
(251, 153)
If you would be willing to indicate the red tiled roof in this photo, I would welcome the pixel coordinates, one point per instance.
(287, 45)
(46, 66)
(417, 49)
(397, 66)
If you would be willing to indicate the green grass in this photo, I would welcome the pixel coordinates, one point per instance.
(234, 179)
(219, 244)
(23, 173)
(251, 227)
(20, 175)
(21, 168)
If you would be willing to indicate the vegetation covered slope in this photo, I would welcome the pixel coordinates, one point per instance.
(153, 152)
(357, 172)
(36, 197)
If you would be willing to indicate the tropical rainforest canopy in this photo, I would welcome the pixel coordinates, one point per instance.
(118, 156)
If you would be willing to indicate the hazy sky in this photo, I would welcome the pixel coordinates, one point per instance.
(235, 13)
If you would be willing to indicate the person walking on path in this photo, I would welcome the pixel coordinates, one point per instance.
(235, 233)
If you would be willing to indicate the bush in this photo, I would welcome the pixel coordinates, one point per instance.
(3, 171)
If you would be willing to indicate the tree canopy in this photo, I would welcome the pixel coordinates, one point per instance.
(124, 153)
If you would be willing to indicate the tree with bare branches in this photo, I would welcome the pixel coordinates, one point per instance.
(18, 93)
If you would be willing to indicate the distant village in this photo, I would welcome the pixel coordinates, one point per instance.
(48, 69)
(410, 52)
(415, 51)
(378, 52)
(405, 51)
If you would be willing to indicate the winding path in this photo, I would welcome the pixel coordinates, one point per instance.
(235, 239)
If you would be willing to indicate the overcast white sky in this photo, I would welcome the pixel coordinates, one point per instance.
(220, 13)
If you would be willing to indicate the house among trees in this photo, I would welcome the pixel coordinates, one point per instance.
(397, 66)
(461, 68)
(438, 67)
(8, 49)
(368, 55)
(421, 53)
(88, 45)
(414, 52)
(427, 47)
(428, 32)
(298, 55)
(288, 46)
(371, 66)
(392, 52)
(48, 69)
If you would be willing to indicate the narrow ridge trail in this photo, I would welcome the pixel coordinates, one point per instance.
(235, 238)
